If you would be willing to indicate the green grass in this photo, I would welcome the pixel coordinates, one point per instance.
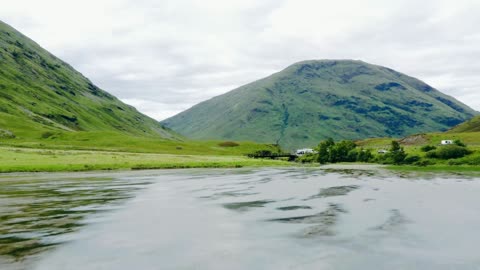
(472, 125)
(435, 168)
(114, 141)
(45, 160)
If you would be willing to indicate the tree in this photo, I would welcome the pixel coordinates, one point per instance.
(364, 155)
(323, 150)
(340, 151)
(397, 153)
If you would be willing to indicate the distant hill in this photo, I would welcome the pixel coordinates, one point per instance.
(313, 100)
(39, 94)
(472, 125)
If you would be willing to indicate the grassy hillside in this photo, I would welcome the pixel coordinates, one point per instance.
(472, 125)
(313, 100)
(413, 147)
(40, 95)
(414, 142)
(54, 119)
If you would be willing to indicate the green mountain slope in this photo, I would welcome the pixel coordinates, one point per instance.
(472, 125)
(312, 100)
(40, 94)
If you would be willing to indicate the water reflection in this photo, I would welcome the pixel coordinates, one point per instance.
(36, 214)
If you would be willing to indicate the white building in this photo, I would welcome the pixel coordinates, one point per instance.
(304, 151)
(447, 142)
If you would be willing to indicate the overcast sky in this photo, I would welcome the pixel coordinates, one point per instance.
(164, 56)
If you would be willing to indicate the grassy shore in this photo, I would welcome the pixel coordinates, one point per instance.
(435, 168)
(13, 159)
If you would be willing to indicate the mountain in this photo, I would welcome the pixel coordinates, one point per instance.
(472, 125)
(40, 94)
(313, 100)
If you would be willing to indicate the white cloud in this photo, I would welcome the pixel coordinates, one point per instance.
(164, 56)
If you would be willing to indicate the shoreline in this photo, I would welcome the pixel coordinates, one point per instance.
(18, 160)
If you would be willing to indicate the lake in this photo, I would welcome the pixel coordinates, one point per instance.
(271, 218)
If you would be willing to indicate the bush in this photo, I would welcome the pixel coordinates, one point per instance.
(428, 148)
(473, 161)
(228, 144)
(470, 160)
(459, 143)
(452, 151)
(6, 134)
(47, 135)
(411, 159)
(431, 154)
(308, 158)
(453, 162)
(424, 163)
(261, 153)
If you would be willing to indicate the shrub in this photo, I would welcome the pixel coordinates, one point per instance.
(424, 163)
(459, 143)
(474, 160)
(468, 160)
(453, 162)
(428, 148)
(308, 158)
(411, 159)
(7, 134)
(431, 154)
(228, 144)
(47, 134)
(261, 153)
(452, 151)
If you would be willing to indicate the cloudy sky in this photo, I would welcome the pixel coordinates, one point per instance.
(163, 56)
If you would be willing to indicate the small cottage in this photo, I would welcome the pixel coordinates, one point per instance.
(446, 142)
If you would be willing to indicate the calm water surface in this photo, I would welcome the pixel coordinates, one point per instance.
(292, 218)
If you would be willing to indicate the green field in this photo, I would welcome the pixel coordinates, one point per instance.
(81, 151)
(114, 141)
(13, 159)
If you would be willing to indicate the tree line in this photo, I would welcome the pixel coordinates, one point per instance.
(329, 151)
